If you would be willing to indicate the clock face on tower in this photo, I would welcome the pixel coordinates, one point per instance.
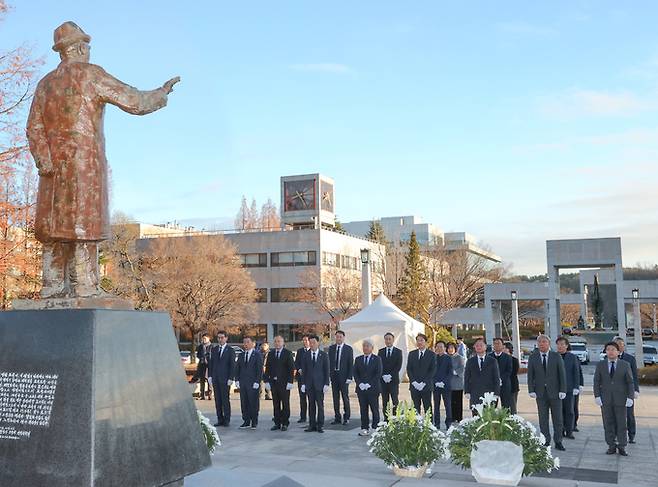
(327, 196)
(299, 195)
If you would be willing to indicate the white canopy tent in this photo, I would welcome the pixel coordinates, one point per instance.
(374, 321)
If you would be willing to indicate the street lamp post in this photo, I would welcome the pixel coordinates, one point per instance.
(637, 327)
(516, 338)
(585, 293)
(366, 286)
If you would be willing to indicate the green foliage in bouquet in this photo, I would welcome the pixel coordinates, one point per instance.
(209, 433)
(408, 439)
(494, 423)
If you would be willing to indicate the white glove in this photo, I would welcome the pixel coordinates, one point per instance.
(325, 389)
(422, 386)
(562, 395)
(576, 392)
(454, 372)
(637, 394)
(629, 403)
(598, 401)
(533, 395)
(440, 385)
(348, 381)
(289, 386)
(267, 386)
(210, 381)
(415, 384)
(229, 382)
(303, 389)
(256, 385)
(387, 378)
(362, 386)
(368, 386)
(237, 384)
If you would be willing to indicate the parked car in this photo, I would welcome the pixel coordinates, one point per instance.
(185, 357)
(647, 333)
(579, 349)
(650, 355)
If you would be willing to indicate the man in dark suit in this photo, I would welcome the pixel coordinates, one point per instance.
(576, 409)
(509, 349)
(442, 387)
(630, 412)
(249, 372)
(367, 376)
(203, 357)
(547, 384)
(505, 368)
(278, 377)
(481, 375)
(421, 366)
(572, 372)
(315, 377)
(222, 372)
(303, 399)
(391, 364)
(341, 363)
(614, 391)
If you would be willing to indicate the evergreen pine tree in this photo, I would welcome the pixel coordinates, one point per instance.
(413, 294)
(376, 232)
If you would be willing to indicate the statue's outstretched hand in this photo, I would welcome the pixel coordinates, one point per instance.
(169, 85)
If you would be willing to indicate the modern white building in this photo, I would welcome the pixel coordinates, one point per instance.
(285, 264)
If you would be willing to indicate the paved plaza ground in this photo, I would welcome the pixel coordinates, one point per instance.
(340, 458)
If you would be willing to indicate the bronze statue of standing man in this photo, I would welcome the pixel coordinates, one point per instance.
(65, 133)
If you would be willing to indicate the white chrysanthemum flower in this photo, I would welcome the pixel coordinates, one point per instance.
(489, 398)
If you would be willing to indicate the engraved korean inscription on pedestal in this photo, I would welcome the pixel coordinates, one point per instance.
(26, 402)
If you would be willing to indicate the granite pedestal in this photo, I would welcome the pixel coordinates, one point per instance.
(94, 398)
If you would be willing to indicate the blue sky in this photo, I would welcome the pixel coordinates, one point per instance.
(512, 121)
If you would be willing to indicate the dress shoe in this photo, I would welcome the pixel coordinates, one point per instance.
(611, 450)
(253, 426)
(570, 436)
(309, 429)
(275, 427)
(631, 439)
(320, 430)
(576, 430)
(244, 425)
(284, 428)
(336, 421)
(559, 446)
(346, 422)
(218, 424)
(364, 433)
(301, 420)
(622, 451)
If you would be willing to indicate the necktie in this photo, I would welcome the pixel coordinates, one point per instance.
(388, 353)
(338, 357)
(313, 357)
(221, 351)
(543, 361)
(481, 362)
(367, 357)
(278, 354)
(612, 369)
(246, 357)
(420, 357)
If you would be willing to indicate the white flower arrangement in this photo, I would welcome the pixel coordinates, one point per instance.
(210, 434)
(493, 423)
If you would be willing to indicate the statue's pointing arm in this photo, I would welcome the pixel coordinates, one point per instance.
(36, 136)
(129, 99)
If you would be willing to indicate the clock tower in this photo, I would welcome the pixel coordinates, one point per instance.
(307, 200)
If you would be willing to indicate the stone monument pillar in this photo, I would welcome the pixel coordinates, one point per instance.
(92, 393)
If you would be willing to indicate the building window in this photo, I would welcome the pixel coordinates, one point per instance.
(348, 262)
(329, 258)
(253, 260)
(261, 295)
(290, 333)
(291, 294)
(258, 332)
(289, 259)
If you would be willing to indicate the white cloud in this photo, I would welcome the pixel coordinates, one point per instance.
(526, 28)
(334, 68)
(582, 103)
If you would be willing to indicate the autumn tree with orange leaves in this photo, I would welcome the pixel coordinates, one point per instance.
(19, 251)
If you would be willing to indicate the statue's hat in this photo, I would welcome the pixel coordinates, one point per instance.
(68, 33)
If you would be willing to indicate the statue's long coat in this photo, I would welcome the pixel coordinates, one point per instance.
(65, 133)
